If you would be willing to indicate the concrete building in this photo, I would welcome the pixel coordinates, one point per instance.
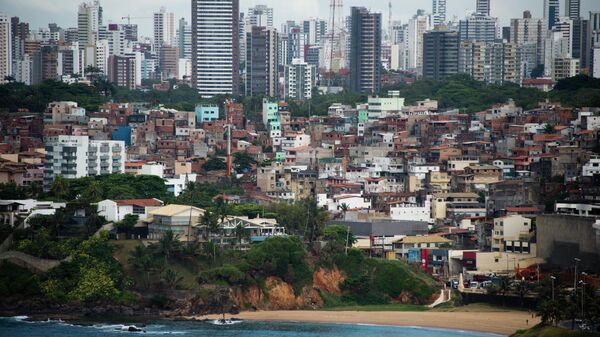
(261, 62)
(440, 53)
(478, 27)
(215, 47)
(122, 71)
(89, 20)
(5, 47)
(551, 12)
(508, 230)
(564, 68)
(491, 62)
(179, 219)
(483, 7)
(562, 238)
(573, 9)
(184, 39)
(163, 29)
(417, 26)
(300, 79)
(260, 16)
(169, 62)
(528, 31)
(365, 51)
(207, 113)
(106, 157)
(439, 12)
(116, 210)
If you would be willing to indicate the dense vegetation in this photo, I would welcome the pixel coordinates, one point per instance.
(459, 91)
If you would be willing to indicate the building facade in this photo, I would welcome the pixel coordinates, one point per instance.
(365, 51)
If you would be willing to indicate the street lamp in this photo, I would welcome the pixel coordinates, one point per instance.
(582, 294)
(577, 260)
(552, 278)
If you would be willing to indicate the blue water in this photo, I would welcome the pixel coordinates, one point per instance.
(18, 327)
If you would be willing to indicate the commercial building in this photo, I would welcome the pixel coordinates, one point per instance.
(551, 12)
(215, 47)
(365, 50)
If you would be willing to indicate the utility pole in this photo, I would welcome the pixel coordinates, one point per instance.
(228, 126)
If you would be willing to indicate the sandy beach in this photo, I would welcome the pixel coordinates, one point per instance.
(498, 322)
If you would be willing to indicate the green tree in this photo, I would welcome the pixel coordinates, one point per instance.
(214, 164)
(127, 224)
(171, 279)
(243, 162)
(168, 245)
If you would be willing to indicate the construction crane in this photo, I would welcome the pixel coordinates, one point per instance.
(129, 17)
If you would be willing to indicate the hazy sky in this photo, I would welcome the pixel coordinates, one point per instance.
(64, 12)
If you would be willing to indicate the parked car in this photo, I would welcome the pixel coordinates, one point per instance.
(474, 285)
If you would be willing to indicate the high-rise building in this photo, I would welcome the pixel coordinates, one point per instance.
(261, 61)
(115, 36)
(440, 53)
(593, 44)
(565, 68)
(19, 33)
(163, 28)
(5, 47)
(491, 62)
(483, 7)
(300, 78)
(169, 62)
(89, 20)
(316, 31)
(439, 12)
(417, 26)
(122, 71)
(365, 51)
(130, 31)
(184, 39)
(478, 27)
(527, 31)
(551, 12)
(573, 9)
(261, 16)
(74, 157)
(296, 43)
(215, 47)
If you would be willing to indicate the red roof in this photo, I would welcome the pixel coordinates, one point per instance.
(538, 81)
(140, 202)
(523, 209)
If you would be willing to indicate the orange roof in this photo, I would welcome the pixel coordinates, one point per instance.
(140, 202)
(523, 209)
(134, 164)
(546, 138)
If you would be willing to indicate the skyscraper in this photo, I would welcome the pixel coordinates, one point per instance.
(551, 12)
(440, 53)
(89, 20)
(530, 31)
(300, 78)
(215, 46)
(184, 39)
(261, 61)
(365, 50)
(5, 48)
(164, 28)
(439, 12)
(573, 9)
(478, 27)
(261, 16)
(483, 7)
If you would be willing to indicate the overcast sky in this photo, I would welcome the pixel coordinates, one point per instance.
(64, 12)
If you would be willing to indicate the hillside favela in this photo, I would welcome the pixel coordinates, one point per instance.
(300, 168)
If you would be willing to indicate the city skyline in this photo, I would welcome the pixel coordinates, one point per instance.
(39, 12)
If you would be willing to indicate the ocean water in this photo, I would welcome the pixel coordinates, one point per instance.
(20, 327)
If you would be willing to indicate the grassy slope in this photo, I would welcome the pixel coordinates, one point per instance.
(550, 331)
(122, 255)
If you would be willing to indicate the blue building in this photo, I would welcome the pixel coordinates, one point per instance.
(122, 133)
(207, 113)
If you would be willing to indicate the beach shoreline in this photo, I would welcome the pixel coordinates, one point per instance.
(502, 323)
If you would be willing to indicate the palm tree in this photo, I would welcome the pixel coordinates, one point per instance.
(168, 245)
(210, 222)
(59, 187)
(171, 279)
(344, 207)
(93, 193)
(241, 232)
(316, 218)
(221, 208)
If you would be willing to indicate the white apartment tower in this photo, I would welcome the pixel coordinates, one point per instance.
(74, 157)
(439, 12)
(164, 28)
(5, 47)
(483, 7)
(300, 78)
(89, 20)
(215, 47)
(261, 16)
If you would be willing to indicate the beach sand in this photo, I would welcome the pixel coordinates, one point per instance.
(498, 322)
